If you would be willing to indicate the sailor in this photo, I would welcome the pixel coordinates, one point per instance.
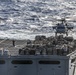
(28, 41)
(64, 49)
(44, 51)
(1, 51)
(55, 41)
(13, 41)
(5, 52)
(58, 49)
(38, 50)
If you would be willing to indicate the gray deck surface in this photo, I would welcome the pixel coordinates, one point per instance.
(13, 50)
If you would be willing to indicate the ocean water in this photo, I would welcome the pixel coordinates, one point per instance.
(24, 19)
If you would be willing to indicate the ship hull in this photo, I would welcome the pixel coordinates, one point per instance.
(34, 65)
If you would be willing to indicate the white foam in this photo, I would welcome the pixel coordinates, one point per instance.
(19, 18)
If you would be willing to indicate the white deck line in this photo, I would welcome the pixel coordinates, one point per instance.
(2, 41)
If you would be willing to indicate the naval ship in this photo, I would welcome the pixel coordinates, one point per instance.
(54, 55)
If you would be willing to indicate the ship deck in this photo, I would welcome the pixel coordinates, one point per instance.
(8, 45)
(14, 50)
